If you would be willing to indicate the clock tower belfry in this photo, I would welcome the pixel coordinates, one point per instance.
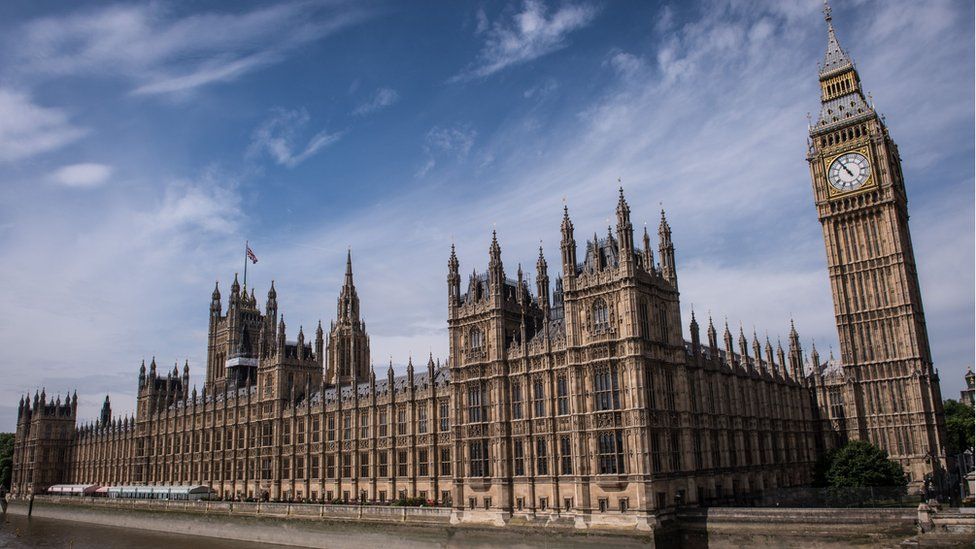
(890, 392)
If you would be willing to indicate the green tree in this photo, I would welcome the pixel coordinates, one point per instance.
(822, 466)
(959, 427)
(6, 459)
(862, 464)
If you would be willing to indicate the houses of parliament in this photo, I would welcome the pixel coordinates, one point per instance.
(576, 396)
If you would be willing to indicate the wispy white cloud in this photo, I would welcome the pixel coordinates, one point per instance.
(206, 206)
(456, 139)
(625, 64)
(664, 20)
(541, 90)
(116, 275)
(383, 98)
(528, 34)
(217, 70)
(84, 176)
(280, 137)
(446, 142)
(481, 21)
(699, 128)
(722, 160)
(28, 129)
(163, 52)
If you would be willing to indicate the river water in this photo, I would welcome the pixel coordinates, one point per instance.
(17, 531)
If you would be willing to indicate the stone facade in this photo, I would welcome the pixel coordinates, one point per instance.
(587, 399)
(581, 401)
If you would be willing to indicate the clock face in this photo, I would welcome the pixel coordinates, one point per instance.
(848, 171)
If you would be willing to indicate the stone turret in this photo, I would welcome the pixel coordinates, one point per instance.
(453, 281)
(568, 247)
(106, 414)
(625, 235)
(712, 338)
(666, 249)
(542, 282)
(348, 342)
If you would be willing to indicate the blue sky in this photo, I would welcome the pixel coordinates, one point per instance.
(141, 144)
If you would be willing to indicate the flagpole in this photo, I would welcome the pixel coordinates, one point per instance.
(245, 263)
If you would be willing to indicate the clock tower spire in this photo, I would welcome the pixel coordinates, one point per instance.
(891, 394)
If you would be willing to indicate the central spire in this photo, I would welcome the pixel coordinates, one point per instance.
(348, 268)
(841, 97)
(836, 58)
(348, 344)
(348, 305)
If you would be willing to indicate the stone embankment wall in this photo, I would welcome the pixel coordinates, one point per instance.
(253, 528)
(312, 525)
(795, 527)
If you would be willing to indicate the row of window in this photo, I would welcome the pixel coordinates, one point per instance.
(335, 467)
(606, 396)
(600, 322)
(539, 398)
(610, 456)
(666, 450)
(187, 442)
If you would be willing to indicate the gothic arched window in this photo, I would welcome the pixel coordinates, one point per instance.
(539, 397)
(606, 389)
(516, 400)
(642, 315)
(476, 339)
(601, 320)
(610, 453)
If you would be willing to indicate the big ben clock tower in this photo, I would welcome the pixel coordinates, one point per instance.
(889, 391)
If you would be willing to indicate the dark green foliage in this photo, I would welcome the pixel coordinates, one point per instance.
(822, 466)
(860, 464)
(6, 459)
(959, 427)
